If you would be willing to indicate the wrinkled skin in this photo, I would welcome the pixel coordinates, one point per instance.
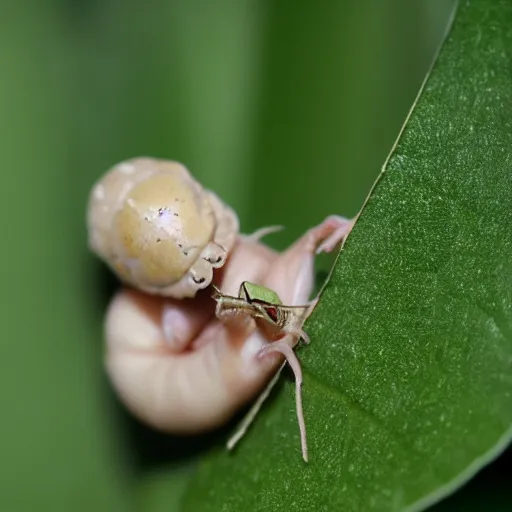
(197, 375)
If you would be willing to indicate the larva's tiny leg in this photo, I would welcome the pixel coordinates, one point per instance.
(283, 348)
(263, 232)
(214, 254)
(201, 274)
(292, 277)
(332, 230)
(249, 418)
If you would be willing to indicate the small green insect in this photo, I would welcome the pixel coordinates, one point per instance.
(257, 293)
(276, 321)
(260, 302)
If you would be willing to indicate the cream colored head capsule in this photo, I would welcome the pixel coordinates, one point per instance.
(159, 229)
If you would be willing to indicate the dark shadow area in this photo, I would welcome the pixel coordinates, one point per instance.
(152, 450)
(489, 491)
(105, 283)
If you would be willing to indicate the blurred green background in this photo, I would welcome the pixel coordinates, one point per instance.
(286, 109)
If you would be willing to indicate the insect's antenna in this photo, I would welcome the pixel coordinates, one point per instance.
(216, 294)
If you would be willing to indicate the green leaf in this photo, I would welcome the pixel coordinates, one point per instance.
(408, 381)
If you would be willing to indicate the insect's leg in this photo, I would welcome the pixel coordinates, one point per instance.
(242, 292)
(262, 232)
(249, 418)
(298, 333)
(182, 320)
(305, 336)
(228, 307)
(220, 311)
(285, 349)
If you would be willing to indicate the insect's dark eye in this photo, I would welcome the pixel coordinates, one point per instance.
(272, 313)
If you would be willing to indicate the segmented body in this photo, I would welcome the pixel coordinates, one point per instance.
(192, 372)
